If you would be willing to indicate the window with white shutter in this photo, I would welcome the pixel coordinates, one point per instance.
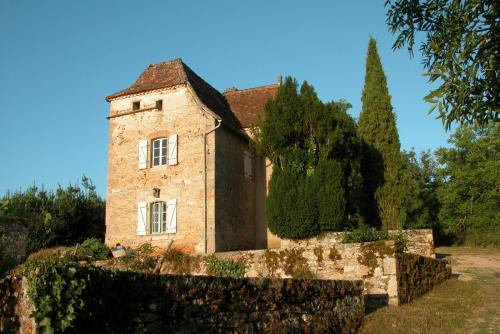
(172, 216)
(143, 153)
(158, 217)
(142, 214)
(172, 150)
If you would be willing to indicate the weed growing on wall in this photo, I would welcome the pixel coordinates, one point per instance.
(94, 249)
(140, 259)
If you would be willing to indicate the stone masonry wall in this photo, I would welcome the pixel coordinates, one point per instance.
(128, 185)
(418, 274)
(419, 241)
(125, 302)
(235, 213)
(374, 263)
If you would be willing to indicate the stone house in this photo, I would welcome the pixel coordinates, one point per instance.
(179, 164)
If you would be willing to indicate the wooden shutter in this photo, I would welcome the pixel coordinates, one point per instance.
(247, 165)
(143, 153)
(172, 150)
(142, 218)
(172, 216)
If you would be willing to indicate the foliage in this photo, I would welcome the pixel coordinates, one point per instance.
(54, 218)
(219, 267)
(461, 51)
(55, 289)
(95, 249)
(421, 202)
(382, 157)
(470, 191)
(364, 233)
(316, 183)
(61, 253)
(142, 259)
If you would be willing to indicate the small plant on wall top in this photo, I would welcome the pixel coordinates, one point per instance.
(218, 267)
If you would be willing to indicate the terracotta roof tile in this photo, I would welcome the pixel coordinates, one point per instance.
(173, 73)
(249, 104)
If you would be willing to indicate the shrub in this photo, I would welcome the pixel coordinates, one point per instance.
(364, 233)
(95, 249)
(218, 267)
(141, 259)
(180, 263)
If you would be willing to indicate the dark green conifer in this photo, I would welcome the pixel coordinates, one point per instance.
(382, 157)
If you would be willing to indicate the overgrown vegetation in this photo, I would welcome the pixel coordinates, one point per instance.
(94, 249)
(141, 259)
(220, 267)
(365, 233)
(66, 216)
(177, 262)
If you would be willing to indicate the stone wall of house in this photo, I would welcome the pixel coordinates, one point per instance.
(133, 302)
(418, 274)
(235, 193)
(128, 185)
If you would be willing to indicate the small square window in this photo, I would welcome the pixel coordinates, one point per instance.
(159, 104)
(136, 105)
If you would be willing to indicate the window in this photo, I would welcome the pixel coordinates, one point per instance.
(136, 105)
(158, 217)
(159, 104)
(160, 152)
(247, 165)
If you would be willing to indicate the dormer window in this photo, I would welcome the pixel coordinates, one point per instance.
(136, 105)
(159, 104)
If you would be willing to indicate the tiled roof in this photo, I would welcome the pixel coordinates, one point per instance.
(249, 104)
(173, 73)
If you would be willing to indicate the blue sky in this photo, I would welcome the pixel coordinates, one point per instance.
(59, 59)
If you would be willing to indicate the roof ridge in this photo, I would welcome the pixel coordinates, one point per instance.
(167, 62)
(252, 88)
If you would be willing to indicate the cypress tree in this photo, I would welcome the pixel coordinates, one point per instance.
(382, 157)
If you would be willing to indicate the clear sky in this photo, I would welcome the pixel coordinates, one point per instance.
(59, 59)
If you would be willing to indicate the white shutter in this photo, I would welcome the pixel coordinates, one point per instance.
(143, 153)
(172, 150)
(142, 214)
(172, 216)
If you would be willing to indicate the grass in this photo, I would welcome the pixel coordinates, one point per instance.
(455, 306)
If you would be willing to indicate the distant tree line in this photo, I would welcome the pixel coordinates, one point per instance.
(63, 217)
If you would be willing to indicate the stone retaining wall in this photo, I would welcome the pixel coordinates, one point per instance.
(125, 302)
(417, 275)
(373, 262)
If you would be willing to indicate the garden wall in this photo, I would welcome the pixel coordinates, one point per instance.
(417, 274)
(373, 262)
(125, 302)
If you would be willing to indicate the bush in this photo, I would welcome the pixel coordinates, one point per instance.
(304, 205)
(179, 263)
(218, 267)
(95, 249)
(141, 259)
(364, 233)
